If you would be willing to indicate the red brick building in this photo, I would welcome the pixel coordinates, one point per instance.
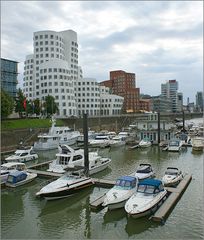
(123, 84)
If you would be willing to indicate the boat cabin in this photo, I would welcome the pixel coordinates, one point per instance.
(16, 177)
(126, 182)
(150, 186)
(174, 143)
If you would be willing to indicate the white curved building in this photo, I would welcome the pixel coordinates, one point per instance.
(53, 69)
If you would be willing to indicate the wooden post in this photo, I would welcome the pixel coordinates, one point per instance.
(183, 121)
(86, 152)
(158, 127)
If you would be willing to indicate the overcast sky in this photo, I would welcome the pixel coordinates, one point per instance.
(156, 40)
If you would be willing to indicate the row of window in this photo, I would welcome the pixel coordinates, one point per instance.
(65, 77)
(41, 43)
(47, 49)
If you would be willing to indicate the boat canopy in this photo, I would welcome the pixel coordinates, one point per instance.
(16, 176)
(126, 181)
(152, 182)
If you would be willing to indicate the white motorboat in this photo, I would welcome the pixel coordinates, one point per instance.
(23, 154)
(197, 144)
(117, 141)
(56, 136)
(100, 141)
(149, 195)
(67, 185)
(117, 196)
(7, 168)
(18, 178)
(91, 136)
(172, 177)
(67, 157)
(145, 143)
(175, 145)
(143, 171)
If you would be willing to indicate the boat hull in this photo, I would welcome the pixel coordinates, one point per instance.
(65, 192)
(151, 209)
(116, 205)
(29, 179)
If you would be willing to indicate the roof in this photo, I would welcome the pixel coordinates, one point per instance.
(127, 178)
(152, 182)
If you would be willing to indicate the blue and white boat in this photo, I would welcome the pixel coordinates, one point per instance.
(144, 171)
(117, 196)
(18, 178)
(149, 195)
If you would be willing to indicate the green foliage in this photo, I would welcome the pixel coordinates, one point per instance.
(37, 108)
(19, 103)
(7, 104)
(50, 106)
(28, 123)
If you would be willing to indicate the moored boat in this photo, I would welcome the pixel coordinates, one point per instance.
(7, 168)
(18, 178)
(22, 154)
(198, 144)
(65, 186)
(143, 171)
(145, 143)
(174, 145)
(149, 195)
(123, 189)
(67, 157)
(172, 176)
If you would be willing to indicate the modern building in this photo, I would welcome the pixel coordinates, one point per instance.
(123, 84)
(110, 104)
(199, 101)
(53, 69)
(96, 100)
(169, 90)
(161, 104)
(9, 74)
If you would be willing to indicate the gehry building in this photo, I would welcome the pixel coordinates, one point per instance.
(53, 69)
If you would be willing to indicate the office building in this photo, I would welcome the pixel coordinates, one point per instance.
(9, 74)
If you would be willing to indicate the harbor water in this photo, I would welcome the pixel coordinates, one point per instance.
(23, 216)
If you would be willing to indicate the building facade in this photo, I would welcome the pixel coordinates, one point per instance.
(53, 69)
(9, 74)
(123, 84)
(169, 90)
(199, 101)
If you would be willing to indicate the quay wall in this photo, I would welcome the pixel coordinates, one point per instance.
(11, 139)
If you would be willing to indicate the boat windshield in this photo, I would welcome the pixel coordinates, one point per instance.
(125, 184)
(143, 169)
(174, 143)
(171, 173)
(146, 189)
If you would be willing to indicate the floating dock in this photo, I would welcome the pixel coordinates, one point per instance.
(97, 203)
(175, 193)
(41, 173)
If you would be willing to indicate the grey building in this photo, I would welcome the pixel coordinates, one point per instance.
(9, 73)
(160, 103)
(199, 101)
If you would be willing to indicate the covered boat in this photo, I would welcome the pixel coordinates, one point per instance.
(18, 178)
(149, 195)
(198, 144)
(7, 168)
(65, 186)
(144, 171)
(172, 176)
(117, 196)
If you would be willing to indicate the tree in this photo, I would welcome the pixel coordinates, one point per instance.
(50, 105)
(7, 104)
(36, 106)
(21, 103)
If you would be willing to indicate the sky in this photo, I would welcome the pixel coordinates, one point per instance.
(156, 40)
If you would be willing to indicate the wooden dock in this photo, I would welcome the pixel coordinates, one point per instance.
(97, 203)
(103, 182)
(45, 173)
(175, 193)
